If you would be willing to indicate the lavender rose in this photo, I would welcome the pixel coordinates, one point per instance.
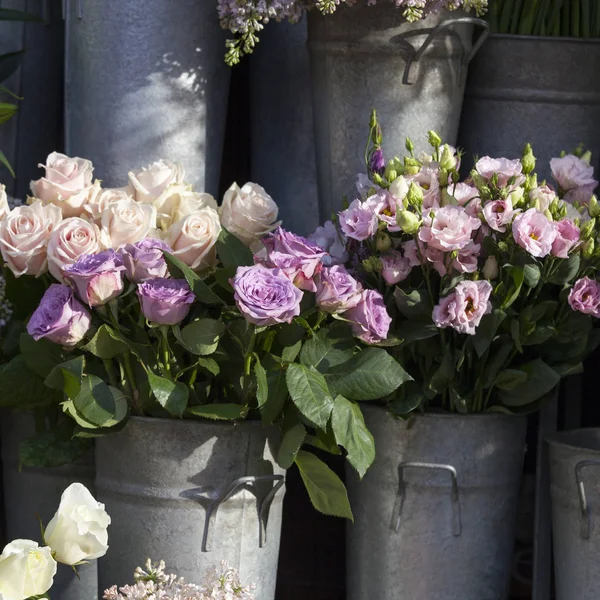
(360, 220)
(145, 260)
(567, 236)
(572, 172)
(533, 231)
(97, 278)
(395, 267)
(370, 319)
(463, 309)
(165, 301)
(337, 290)
(59, 317)
(585, 297)
(265, 296)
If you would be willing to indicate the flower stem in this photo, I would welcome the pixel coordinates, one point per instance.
(129, 374)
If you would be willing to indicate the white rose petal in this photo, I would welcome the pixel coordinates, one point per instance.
(78, 530)
(25, 570)
(249, 212)
(4, 207)
(149, 183)
(178, 201)
(24, 235)
(102, 200)
(126, 222)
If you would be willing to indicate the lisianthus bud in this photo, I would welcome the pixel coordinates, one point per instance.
(535, 204)
(415, 196)
(409, 145)
(517, 196)
(586, 157)
(531, 182)
(588, 248)
(372, 264)
(548, 215)
(594, 207)
(383, 242)
(528, 160)
(434, 139)
(377, 178)
(588, 229)
(447, 198)
(373, 119)
(490, 268)
(411, 166)
(390, 174)
(448, 160)
(408, 221)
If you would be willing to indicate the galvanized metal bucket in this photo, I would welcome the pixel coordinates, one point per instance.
(193, 494)
(542, 90)
(146, 79)
(575, 491)
(283, 146)
(33, 492)
(365, 57)
(435, 514)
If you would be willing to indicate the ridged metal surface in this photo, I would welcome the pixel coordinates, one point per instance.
(38, 491)
(422, 532)
(145, 79)
(159, 479)
(575, 491)
(545, 91)
(360, 57)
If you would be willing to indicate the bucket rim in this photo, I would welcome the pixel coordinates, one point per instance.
(543, 38)
(555, 439)
(447, 415)
(212, 422)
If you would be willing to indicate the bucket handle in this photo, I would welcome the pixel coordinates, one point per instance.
(397, 517)
(263, 505)
(583, 503)
(416, 54)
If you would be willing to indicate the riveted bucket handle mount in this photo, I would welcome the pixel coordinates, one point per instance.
(583, 503)
(435, 31)
(397, 517)
(250, 481)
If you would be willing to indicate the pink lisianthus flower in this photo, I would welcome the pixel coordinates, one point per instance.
(499, 213)
(466, 261)
(543, 195)
(572, 172)
(584, 297)
(503, 167)
(450, 228)
(463, 309)
(533, 231)
(360, 220)
(411, 253)
(567, 237)
(395, 267)
(427, 178)
(463, 193)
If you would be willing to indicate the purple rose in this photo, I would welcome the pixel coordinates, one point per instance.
(265, 296)
(567, 236)
(299, 259)
(463, 309)
(98, 278)
(370, 319)
(59, 317)
(572, 172)
(585, 297)
(329, 239)
(377, 162)
(145, 260)
(505, 169)
(361, 219)
(499, 213)
(395, 267)
(165, 301)
(337, 290)
(533, 231)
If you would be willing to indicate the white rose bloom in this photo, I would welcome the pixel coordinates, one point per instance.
(178, 201)
(25, 570)
(78, 530)
(73, 238)
(194, 238)
(149, 183)
(24, 235)
(102, 200)
(249, 212)
(67, 183)
(126, 222)
(4, 207)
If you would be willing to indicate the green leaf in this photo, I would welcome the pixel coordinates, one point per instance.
(351, 432)
(290, 444)
(278, 394)
(179, 270)
(232, 252)
(517, 276)
(67, 376)
(515, 334)
(99, 403)
(567, 270)
(21, 388)
(41, 356)
(415, 305)
(172, 396)
(329, 347)
(9, 63)
(290, 353)
(210, 364)
(369, 375)
(7, 111)
(412, 331)
(6, 163)
(444, 374)
(9, 14)
(309, 392)
(5, 90)
(531, 274)
(201, 337)
(486, 331)
(325, 489)
(540, 335)
(409, 397)
(541, 379)
(105, 345)
(495, 362)
(262, 386)
(219, 412)
(509, 379)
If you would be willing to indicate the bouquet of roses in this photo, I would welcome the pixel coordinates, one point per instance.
(155, 305)
(491, 282)
(246, 18)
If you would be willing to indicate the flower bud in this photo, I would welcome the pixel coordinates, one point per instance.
(443, 177)
(447, 160)
(377, 178)
(478, 180)
(434, 139)
(409, 145)
(390, 174)
(447, 198)
(548, 215)
(411, 166)
(587, 230)
(586, 157)
(516, 196)
(531, 182)
(588, 248)
(372, 264)
(373, 119)
(528, 160)
(408, 221)
(594, 207)
(415, 196)
(490, 268)
(383, 242)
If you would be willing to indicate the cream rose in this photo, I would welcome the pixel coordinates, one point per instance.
(194, 238)
(73, 238)
(102, 200)
(25, 570)
(67, 183)
(78, 530)
(249, 212)
(4, 207)
(126, 222)
(149, 183)
(24, 236)
(178, 201)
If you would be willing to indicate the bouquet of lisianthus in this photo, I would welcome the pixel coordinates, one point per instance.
(76, 534)
(491, 281)
(246, 18)
(155, 305)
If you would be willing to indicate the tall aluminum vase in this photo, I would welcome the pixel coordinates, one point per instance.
(193, 494)
(32, 492)
(145, 80)
(365, 57)
(283, 146)
(541, 90)
(36, 130)
(575, 489)
(435, 514)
